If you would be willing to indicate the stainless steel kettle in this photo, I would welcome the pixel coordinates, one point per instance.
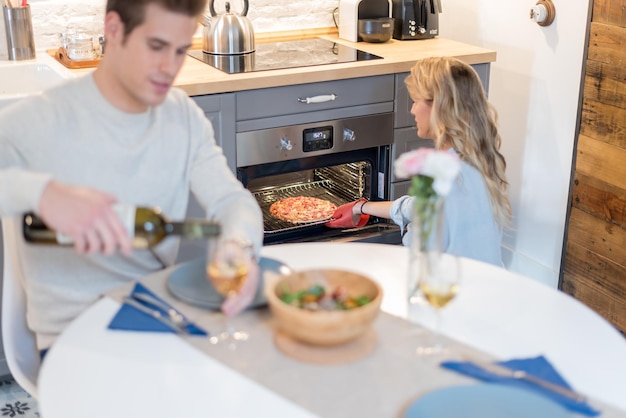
(228, 33)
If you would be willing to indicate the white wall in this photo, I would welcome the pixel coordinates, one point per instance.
(535, 85)
(50, 17)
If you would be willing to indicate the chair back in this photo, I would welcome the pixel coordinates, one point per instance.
(19, 344)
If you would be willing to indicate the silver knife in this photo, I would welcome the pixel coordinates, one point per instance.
(503, 371)
(156, 314)
(172, 313)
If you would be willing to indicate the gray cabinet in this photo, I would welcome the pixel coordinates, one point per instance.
(220, 110)
(405, 133)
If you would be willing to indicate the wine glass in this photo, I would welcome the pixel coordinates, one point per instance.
(227, 270)
(439, 283)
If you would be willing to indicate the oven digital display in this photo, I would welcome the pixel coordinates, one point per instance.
(317, 139)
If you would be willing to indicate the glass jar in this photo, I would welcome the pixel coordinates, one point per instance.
(78, 43)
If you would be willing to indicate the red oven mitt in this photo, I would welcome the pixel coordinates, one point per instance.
(343, 216)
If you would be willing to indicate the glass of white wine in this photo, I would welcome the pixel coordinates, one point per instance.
(439, 284)
(227, 270)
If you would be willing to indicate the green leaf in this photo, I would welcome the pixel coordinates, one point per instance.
(363, 300)
(317, 290)
(422, 186)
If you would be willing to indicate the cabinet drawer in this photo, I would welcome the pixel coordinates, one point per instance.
(278, 101)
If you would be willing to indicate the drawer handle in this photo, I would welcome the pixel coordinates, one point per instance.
(318, 99)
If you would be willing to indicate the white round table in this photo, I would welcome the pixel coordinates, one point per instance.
(499, 312)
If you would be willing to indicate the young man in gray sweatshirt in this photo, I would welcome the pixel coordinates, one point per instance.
(121, 134)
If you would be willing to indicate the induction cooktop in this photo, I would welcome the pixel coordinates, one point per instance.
(288, 54)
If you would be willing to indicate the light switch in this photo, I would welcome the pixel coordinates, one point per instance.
(543, 12)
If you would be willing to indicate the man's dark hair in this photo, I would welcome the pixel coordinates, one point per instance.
(132, 12)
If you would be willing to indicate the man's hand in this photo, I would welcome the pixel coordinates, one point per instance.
(87, 216)
(239, 301)
(228, 252)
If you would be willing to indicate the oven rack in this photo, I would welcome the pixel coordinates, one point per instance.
(348, 179)
(321, 189)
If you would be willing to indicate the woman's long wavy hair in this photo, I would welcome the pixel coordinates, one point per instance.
(462, 117)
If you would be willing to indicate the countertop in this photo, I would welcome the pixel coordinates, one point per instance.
(197, 78)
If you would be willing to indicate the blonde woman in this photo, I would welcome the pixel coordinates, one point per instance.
(451, 108)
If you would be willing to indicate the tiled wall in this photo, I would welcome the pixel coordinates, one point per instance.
(50, 17)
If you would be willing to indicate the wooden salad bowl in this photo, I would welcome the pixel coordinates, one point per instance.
(325, 327)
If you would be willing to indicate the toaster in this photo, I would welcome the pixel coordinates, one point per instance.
(416, 19)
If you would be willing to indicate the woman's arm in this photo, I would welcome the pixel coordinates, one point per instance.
(378, 209)
(357, 213)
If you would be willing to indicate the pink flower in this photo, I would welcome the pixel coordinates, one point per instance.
(442, 166)
(410, 163)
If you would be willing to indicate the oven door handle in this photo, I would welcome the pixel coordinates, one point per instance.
(318, 99)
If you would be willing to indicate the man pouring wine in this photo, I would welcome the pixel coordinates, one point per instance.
(120, 135)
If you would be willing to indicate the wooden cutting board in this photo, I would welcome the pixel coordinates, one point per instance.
(61, 55)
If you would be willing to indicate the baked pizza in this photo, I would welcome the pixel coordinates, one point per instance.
(302, 209)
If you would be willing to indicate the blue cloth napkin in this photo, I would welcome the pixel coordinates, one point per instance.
(538, 367)
(129, 318)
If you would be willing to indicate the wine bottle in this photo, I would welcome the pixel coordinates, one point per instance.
(146, 226)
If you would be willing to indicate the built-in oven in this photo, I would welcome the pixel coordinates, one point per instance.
(336, 160)
(330, 139)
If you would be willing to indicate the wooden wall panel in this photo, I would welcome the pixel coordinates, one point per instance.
(595, 272)
(599, 199)
(597, 235)
(599, 272)
(610, 11)
(601, 160)
(605, 42)
(594, 265)
(604, 122)
(605, 79)
(588, 271)
(605, 83)
(598, 282)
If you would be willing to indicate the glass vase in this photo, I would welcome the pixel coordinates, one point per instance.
(434, 277)
(426, 231)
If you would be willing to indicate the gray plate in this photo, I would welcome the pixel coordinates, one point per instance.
(188, 282)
